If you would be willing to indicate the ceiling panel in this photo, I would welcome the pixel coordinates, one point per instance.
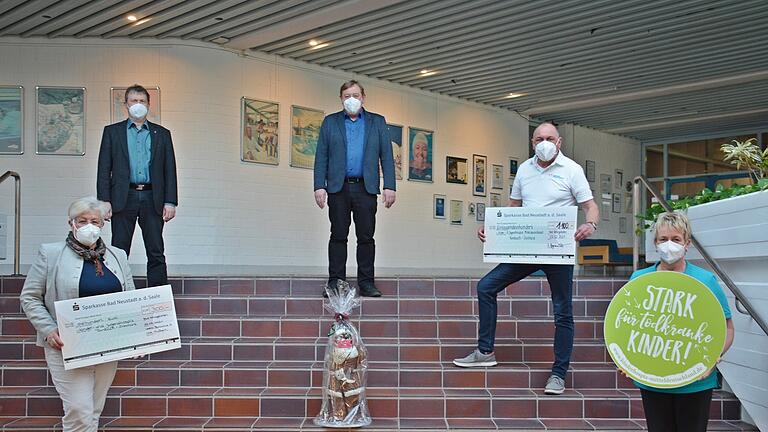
(651, 70)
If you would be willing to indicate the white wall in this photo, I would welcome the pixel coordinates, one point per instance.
(238, 218)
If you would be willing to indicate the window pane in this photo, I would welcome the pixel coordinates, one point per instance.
(654, 161)
(700, 157)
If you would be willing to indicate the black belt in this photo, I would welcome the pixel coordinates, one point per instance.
(353, 180)
(140, 186)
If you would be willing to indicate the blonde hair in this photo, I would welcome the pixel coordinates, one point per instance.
(86, 204)
(673, 220)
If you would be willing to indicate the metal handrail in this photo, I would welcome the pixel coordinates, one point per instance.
(742, 302)
(17, 224)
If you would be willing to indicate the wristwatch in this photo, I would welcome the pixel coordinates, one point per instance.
(594, 225)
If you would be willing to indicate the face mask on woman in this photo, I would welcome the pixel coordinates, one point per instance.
(87, 234)
(670, 252)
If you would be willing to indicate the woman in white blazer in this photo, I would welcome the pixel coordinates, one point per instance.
(81, 266)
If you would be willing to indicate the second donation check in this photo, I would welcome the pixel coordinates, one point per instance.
(116, 326)
(530, 235)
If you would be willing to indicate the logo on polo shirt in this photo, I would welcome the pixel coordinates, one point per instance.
(557, 176)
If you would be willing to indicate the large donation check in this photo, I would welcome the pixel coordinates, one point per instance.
(110, 327)
(530, 235)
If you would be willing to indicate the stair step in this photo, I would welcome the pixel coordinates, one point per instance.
(243, 424)
(236, 374)
(415, 287)
(204, 402)
(392, 349)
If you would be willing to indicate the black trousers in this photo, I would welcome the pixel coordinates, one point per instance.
(140, 206)
(670, 412)
(352, 202)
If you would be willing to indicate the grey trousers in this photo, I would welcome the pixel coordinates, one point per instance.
(83, 391)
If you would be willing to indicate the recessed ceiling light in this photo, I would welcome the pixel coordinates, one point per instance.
(320, 45)
(131, 18)
(140, 22)
(426, 72)
(515, 95)
(423, 71)
(313, 43)
(220, 40)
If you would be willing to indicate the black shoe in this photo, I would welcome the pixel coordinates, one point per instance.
(332, 284)
(369, 290)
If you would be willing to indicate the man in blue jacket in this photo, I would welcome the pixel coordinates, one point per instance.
(352, 142)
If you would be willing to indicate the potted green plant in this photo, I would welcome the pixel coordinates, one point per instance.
(745, 155)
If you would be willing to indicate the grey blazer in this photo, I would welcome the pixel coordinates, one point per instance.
(55, 275)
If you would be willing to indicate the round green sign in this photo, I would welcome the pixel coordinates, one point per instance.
(664, 329)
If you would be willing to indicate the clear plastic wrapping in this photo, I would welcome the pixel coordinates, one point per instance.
(346, 365)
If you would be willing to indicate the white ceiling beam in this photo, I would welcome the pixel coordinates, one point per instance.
(650, 93)
(699, 119)
(323, 17)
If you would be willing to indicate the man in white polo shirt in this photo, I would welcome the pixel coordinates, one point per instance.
(548, 179)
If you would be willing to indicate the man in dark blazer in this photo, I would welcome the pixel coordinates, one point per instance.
(351, 145)
(137, 177)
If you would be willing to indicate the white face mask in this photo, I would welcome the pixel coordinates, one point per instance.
(138, 110)
(352, 105)
(670, 252)
(87, 234)
(546, 150)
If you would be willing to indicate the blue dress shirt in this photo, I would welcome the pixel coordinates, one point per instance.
(355, 144)
(139, 152)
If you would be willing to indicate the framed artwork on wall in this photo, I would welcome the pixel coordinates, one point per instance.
(305, 131)
(438, 206)
(60, 121)
(498, 177)
(616, 207)
(118, 111)
(480, 212)
(471, 209)
(479, 168)
(589, 170)
(455, 170)
(396, 138)
(622, 225)
(11, 120)
(618, 179)
(259, 131)
(457, 212)
(420, 153)
(495, 200)
(512, 167)
(606, 184)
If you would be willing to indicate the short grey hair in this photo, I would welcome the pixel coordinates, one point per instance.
(86, 204)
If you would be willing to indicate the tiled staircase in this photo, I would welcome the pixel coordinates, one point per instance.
(252, 356)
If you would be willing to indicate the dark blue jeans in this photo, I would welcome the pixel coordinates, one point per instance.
(560, 279)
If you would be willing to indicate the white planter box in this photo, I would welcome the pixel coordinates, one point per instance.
(735, 233)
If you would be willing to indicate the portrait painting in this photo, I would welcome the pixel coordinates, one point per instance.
(420, 153)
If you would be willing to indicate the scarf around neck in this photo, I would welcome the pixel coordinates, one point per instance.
(93, 255)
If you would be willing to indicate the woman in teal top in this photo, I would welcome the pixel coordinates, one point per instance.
(682, 409)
